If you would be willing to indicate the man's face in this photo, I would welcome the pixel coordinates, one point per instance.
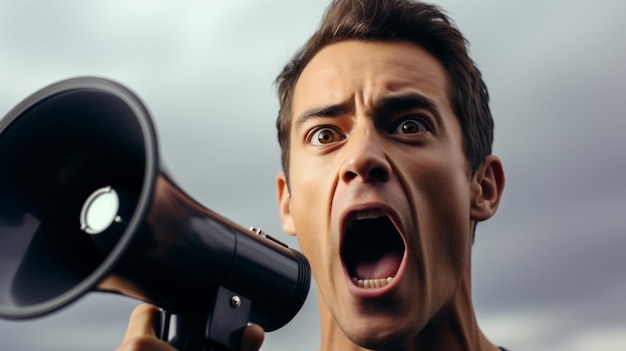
(379, 190)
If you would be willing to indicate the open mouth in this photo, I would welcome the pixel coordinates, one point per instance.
(372, 250)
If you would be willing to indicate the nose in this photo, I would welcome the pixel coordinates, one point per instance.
(365, 159)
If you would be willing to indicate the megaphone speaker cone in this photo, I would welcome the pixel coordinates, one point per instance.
(85, 205)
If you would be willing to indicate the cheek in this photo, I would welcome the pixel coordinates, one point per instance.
(448, 238)
(441, 205)
(309, 206)
(314, 242)
(310, 249)
(313, 185)
(312, 188)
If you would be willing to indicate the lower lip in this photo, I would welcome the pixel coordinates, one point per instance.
(373, 293)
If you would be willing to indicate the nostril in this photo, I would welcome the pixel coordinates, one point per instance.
(368, 164)
(377, 174)
(350, 175)
(374, 175)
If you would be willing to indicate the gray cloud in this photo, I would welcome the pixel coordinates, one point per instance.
(548, 269)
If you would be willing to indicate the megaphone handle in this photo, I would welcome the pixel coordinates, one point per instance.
(184, 331)
(227, 319)
(221, 330)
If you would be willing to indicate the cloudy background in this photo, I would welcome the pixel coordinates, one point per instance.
(549, 269)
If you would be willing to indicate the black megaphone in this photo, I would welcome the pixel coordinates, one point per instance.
(85, 205)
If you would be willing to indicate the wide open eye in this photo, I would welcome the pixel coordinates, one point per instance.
(325, 135)
(411, 125)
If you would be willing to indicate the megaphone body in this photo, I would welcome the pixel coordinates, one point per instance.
(86, 205)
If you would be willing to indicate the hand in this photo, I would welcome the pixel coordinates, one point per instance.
(140, 334)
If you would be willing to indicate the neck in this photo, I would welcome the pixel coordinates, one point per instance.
(453, 328)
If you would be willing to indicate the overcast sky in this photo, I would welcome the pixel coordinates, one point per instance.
(549, 269)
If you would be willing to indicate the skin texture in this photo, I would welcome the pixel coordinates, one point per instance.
(373, 129)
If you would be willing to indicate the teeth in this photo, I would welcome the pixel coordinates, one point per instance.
(368, 214)
(371, 283)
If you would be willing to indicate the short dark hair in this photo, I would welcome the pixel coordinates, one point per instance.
(404, 20)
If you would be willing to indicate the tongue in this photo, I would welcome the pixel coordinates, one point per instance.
(381, 267)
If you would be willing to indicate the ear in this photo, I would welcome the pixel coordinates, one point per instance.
(284, 204)
(487, 188)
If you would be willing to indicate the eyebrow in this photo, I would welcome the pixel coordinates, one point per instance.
(405, 102)
(384, 105)
(333, 110)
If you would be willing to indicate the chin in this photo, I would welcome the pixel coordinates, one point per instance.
(378, 336)
(391, 342)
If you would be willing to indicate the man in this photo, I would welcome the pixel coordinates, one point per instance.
(386, 138)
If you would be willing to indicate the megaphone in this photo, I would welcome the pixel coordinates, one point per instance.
(86, 205)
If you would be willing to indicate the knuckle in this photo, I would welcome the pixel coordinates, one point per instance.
(143, 310)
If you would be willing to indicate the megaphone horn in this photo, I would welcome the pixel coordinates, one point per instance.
(86, 205)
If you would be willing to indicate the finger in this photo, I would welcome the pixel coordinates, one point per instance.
(141, 323)
(252, 338)
(140, 334)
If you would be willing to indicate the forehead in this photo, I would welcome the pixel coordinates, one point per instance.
(370, 70)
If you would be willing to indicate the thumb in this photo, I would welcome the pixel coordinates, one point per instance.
(252, 338)
(140, 334)
(141, 323)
